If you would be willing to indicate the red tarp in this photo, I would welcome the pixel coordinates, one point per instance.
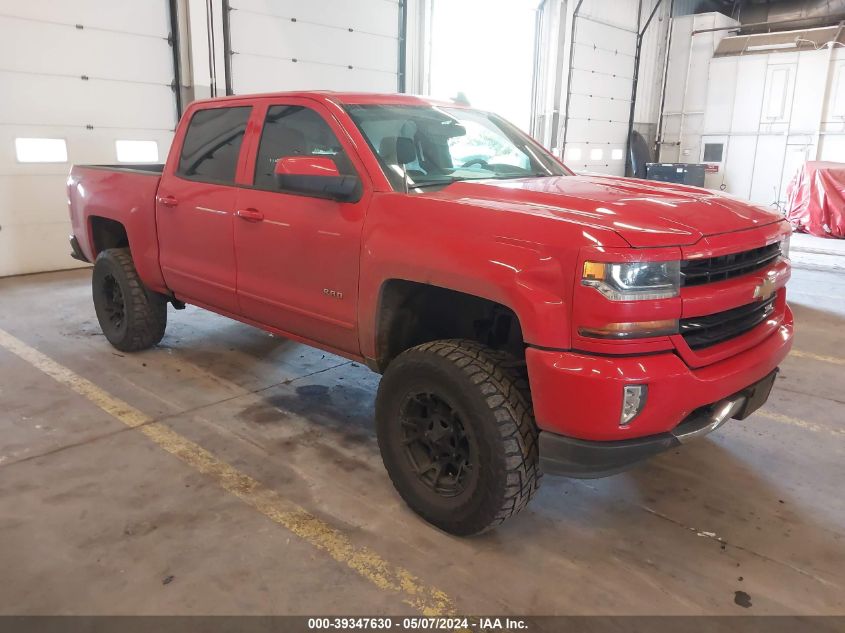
(816, 199)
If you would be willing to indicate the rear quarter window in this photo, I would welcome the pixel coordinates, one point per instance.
(213, 144)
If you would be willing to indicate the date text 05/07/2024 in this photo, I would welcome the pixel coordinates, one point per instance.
(418, 623)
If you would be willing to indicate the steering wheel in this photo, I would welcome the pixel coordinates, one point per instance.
(476, 161)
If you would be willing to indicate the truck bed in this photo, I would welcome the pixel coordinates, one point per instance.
(143, 168)
(119, 201)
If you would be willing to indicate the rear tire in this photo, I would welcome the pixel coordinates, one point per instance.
(457, 434)
(132, 316)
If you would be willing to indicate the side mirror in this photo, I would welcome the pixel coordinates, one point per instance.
(316, 176)
(406, 152)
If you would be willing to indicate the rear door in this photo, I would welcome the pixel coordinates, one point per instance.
(195, 206)
(298, 265)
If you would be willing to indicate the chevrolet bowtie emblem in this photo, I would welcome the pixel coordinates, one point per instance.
(766, 287)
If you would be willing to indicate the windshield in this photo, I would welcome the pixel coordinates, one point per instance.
(424, 146)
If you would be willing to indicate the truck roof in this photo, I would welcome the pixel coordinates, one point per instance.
(346, 98)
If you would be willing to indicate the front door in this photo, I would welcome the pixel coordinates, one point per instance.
(298, 255)
(195, 209)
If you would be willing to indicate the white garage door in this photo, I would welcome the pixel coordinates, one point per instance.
(317, 45)
(601, 78)
(79, 79)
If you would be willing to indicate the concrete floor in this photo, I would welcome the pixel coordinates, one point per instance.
(95, 518)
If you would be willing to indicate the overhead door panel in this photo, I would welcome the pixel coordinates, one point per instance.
(85, 75)
(255, 74)
(114, 15)
(330, 45)
(67, 101)
(366, 16)
(114, 56)
(606, 109)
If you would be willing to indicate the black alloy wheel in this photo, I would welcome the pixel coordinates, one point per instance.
(436, 444)
(114, 305)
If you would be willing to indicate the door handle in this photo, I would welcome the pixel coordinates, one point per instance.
(167, 201)
(250, 215)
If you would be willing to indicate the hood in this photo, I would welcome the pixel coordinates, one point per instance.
(645, 213)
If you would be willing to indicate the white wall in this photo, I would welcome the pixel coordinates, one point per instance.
(686, 85)
(771, 111)
(775, 112)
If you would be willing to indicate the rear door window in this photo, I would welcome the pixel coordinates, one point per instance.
(213, 144)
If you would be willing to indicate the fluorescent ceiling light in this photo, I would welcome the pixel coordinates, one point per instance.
(771, 47)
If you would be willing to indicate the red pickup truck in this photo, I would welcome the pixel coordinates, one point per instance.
(526, 320)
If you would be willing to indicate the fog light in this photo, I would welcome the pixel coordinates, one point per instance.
(633, 401)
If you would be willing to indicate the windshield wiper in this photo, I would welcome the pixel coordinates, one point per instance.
(435, 183)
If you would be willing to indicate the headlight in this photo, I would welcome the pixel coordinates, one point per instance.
(634, 281)
(784, 246)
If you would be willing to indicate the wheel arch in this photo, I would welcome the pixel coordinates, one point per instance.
(106, 230)
(410, 313)
(105, 233)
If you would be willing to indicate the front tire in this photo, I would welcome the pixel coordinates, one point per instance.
(457, 434)
(132, 316)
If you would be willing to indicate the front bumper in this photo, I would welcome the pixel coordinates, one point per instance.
(579, 395)
(571, 457)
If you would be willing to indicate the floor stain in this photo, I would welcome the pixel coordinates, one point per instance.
(341, 407)
(742, 599)
(263, 413)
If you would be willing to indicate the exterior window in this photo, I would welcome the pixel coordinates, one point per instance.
(212, 144)
(41, 150)
(573, 153)
(295, 131)
(617, 154)
(596, 154)
(136, 151)
(713, 152)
